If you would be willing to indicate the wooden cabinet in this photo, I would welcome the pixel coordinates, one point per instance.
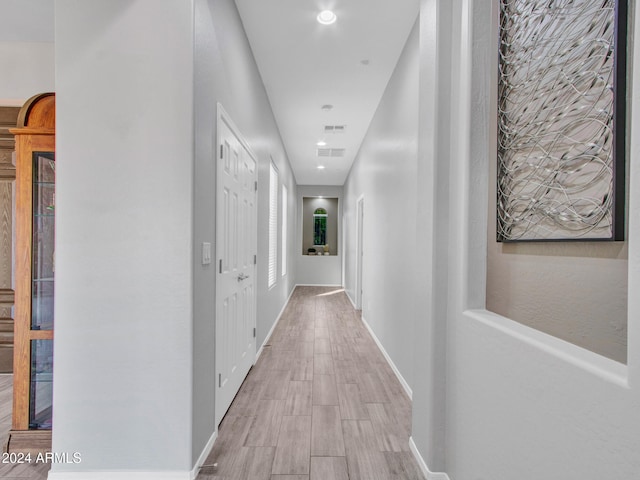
(8, 119)
(34, 276)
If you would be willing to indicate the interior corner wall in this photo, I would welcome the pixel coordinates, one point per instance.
(28, 68)
(316, 270)
(226, 72)
(124, 175)
(437, 134)
(384, 173)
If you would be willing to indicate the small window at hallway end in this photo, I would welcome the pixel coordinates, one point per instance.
(319, 226)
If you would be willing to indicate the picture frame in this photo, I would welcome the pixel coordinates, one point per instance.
(561, 120)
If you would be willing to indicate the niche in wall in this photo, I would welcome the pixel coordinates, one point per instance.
(576, 291)
(320, 224)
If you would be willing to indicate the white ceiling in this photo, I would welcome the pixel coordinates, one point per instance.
(305, 65)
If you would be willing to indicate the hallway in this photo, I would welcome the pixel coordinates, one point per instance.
(320, 404)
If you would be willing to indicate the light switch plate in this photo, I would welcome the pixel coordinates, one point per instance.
(206, 253)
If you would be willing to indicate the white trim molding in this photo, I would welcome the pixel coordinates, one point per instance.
(423, 465)
(401, 379)
(350, 299)
(203, 456)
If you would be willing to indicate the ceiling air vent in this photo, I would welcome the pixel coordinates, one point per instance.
(335, 128)
(331, 152)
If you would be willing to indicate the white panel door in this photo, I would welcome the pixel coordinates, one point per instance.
(235, 252)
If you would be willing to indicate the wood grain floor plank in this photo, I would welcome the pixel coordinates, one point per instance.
(391, 436)
(370, 391)
(302, 369)
(6, 399)
(298, 398)
(329, 468)
(346, 371)
(265, 427)
(276, 385)
(246, 463)
(323, 364)
(351, 406)
(304, 349)
(326, 432)
(364, 460)
(325, 390)
(294, 446)
(322, 332)
(232, 434)
(402, 466)
(322, 345)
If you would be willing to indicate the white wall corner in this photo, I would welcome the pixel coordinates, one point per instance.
(423, 465)
(203, 456)
(350, 299)
(401, 379)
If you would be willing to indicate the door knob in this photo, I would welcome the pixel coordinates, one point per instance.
(242, 276)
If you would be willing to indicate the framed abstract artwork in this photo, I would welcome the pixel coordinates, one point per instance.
(561, 120)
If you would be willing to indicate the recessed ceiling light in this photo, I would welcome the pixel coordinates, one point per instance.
(320, 167)
(326, 17)
(321, 143)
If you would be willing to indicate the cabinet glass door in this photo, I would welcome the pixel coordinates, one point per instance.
(42, 287)
(43, 263)
(41, 395)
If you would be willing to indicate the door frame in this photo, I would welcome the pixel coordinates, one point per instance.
(223, 116)
(359, 249)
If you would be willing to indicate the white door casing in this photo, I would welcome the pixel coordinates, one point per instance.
(359, 250)
(236, 230)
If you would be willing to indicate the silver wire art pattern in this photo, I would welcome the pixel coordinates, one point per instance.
(555, 114)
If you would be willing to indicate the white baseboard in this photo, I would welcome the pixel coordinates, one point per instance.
(423, 465)
(106, 475)
(176, 475)
(205, 453)
(273, 327)
(319, 285)
(401, 379)
(350, 299)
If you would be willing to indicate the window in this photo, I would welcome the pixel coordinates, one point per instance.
(284, 230)
(273, 225)
(320, 227)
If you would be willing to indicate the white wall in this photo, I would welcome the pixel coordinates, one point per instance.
(135, 372)
(384, 172)
(519, 403)
(27, 69)
(325, 270)
(428, 432)
(123, 353)
(225, 72)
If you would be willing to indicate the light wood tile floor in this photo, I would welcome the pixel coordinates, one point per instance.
(321, 403)
(17, 471)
